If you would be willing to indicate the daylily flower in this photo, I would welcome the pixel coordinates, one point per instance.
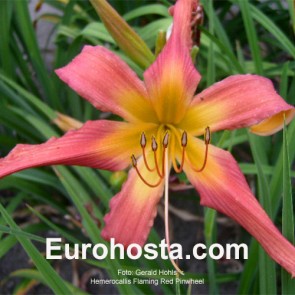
(163, 119)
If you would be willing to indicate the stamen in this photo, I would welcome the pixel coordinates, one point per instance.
(134, 164)
(167, 213)
(143, 140)
(154, 144)
(183, 144)
(143, 145)
(154, 148)
(207, 135)
(166, 140)
(207, 138)
(184, 139)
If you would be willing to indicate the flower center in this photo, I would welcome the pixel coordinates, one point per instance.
(170, 138)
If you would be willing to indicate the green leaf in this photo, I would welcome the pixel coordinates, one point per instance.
(54, 280)
(158, 9)
(29, 98)
(288, 284)
(210, 238)
(5, 25)
(267, 273)
(251, 34)
(211, 56)
(250, 270)
(277, 179)
(149, 32)
(27, 34)
(269, 25)
(284, 80)
(291, 5)
(34, 275)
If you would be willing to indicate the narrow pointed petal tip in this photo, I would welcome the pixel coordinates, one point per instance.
(133, 209)
(223, 187)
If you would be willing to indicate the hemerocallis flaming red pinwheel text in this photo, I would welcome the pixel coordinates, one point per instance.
(163, 119)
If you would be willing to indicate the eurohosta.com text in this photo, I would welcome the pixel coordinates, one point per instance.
(56, 250)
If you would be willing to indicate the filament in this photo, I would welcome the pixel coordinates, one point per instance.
(207, 139)
(180, 168)
(161, 174)
(146, 163)
(134, 164)
(155, 148)
(205, 161)
(143, 145)
(183, 144)
(167, 213)
(173, 159)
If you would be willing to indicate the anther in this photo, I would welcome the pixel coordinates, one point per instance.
(166, 140)
(133, 160)
(143, 140)
(207, 135)
(184, 139)
(154, 144)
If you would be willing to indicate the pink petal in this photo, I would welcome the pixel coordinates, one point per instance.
(235, 102)
(182, 13)
(172, 79)
(98, 144)
(132, 211)
(108, 83)
(223, 187)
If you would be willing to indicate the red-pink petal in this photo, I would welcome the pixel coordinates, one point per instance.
(172, 79)
(235, 102)
(182, 13)
(133, 209)
(223, 187)
(108, 83)
(98, 144)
